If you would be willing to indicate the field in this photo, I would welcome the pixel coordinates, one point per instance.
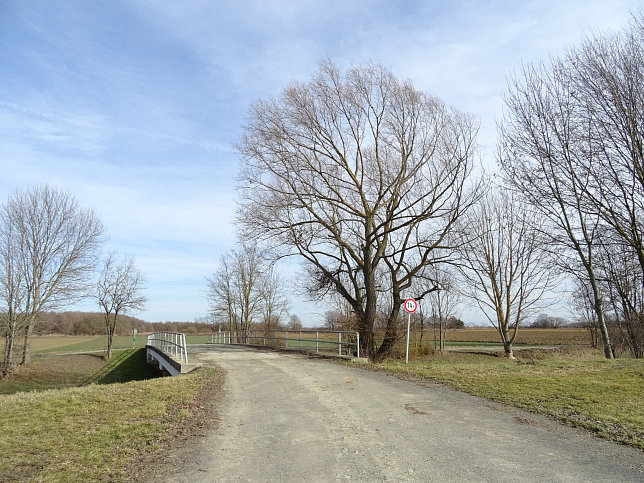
(525, 336)
(48, 344)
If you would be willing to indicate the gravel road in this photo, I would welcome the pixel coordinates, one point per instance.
(285, 417)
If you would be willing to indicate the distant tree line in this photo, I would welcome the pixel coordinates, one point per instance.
(93, 323)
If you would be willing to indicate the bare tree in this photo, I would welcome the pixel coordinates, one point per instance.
(542, 155)
(222, 295)
(119, 291)
(294, 322)
(341, 316)
(274, 302)
(244, 290)
(363, 177)
(504, 263)
(443, 302)
(621, 277)
(572, 143)
(606, 74)
(50, 247)
(13, 294)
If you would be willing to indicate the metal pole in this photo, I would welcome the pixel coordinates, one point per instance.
(407, 350)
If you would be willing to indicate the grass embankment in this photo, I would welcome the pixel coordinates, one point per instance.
(93, 433)
(579, 388)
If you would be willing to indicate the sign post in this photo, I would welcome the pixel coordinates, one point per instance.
(133, 337)
(410, 306)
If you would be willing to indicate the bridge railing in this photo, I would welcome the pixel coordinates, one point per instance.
(172, 343)
(347, 342)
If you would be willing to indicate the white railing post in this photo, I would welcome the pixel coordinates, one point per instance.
(358, 343)
(172, 343)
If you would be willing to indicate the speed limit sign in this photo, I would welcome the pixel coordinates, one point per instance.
(411, 305)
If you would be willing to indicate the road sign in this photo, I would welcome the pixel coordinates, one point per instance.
(411, 305)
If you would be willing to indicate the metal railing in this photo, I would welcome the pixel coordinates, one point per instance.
(172, 343)
(300, 339)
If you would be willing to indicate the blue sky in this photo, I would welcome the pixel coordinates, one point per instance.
(135, 106)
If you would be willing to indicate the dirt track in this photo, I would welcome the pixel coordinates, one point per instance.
(288, 418)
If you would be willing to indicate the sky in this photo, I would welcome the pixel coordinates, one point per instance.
(135, 106)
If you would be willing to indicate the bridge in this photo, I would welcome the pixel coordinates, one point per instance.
(168, 351)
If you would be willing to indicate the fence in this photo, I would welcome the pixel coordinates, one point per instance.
(347, 342)
(172, 343)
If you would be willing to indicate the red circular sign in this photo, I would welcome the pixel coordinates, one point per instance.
(411, 305)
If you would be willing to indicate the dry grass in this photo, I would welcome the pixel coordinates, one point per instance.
(93, 433)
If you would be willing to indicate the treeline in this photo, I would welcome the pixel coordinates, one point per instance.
(93, 323)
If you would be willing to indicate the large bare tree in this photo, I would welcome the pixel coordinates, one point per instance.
(119, 290)
(505, 263)
(49, 253)
(363, 177)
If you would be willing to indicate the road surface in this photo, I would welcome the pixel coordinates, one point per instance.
(285, 417)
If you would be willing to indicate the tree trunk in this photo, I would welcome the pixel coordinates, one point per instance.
(368, 318)
(508, 351)
(26, 349)
(441, 335)
(601, 319)
(507, 343)
(391, 336)
(7, 363)
(110, 337)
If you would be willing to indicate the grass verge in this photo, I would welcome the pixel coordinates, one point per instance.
(603, 396)
(91, 433)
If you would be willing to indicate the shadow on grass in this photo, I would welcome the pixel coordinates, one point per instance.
(127, 365)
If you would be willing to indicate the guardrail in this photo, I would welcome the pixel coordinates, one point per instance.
(350, 344)
(172, 343)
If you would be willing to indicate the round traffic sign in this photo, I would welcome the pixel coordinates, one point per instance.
(411, 305)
